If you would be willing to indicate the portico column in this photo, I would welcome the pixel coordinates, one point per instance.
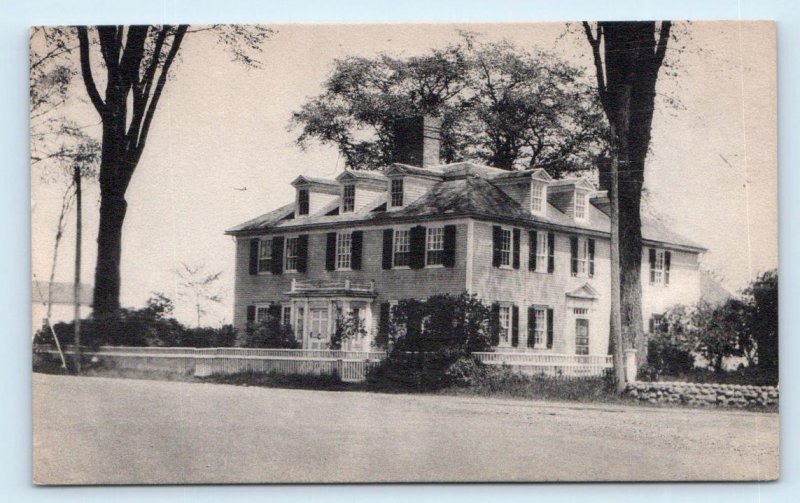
(368, 325)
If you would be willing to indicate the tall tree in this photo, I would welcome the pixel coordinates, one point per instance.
(506, 106)
(136, 63)
(627, 58)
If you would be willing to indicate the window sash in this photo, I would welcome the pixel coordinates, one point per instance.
(505, 247)
(540, 329)
(583, 255)
(542, 253)
(401, 252)
(505, 325)
(537, 197)
(434, 247)
(348, 198)
(397, 193)
(344, 241)
(261, 314)
(265, 255)
(286, 315)
(580, 206)
(658, 269)
(302, 202)
(290, 254)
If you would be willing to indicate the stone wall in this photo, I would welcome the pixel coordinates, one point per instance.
(724, 395)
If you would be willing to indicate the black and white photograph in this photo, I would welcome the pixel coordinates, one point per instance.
(409, 252)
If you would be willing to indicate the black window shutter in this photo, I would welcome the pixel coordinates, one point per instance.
(651, 325)
(388, 241)
(549, 329)
(356, 250)
(573, 250)
(514, 326)
(495, 324)
(302, 253)
(251, 316)
(417, 241)
(449, 245)
(652, 265)
(274, 310)
(497, 236)
(667, 260)
(254, 256)
(516, 233)
(277, 255)
(330, 251)
(591, 258)
(383, 323)
(531, 326)
(551, 252)
(532, 250)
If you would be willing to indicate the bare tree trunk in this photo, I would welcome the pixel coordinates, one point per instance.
(615, 325)
(76, 287)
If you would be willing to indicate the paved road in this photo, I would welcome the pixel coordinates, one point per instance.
(118, 431)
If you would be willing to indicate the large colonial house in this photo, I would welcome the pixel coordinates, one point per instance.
(534, 247)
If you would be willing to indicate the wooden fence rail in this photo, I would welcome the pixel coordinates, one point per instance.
(350, 366)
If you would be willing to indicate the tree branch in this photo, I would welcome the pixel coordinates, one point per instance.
(86, 71)
(162, 80)
(598, 62)
(143, 87)
(661, 47)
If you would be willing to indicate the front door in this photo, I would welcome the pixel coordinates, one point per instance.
(581, 336)
(318, 329)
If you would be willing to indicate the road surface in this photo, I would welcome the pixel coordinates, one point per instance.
(94, 430)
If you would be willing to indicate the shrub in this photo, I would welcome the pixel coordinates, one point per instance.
(270, 333)
(348, 327)
(762, 319)
(148, 326)
(431, 342)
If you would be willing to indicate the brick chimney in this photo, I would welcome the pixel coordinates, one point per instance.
(417, 140)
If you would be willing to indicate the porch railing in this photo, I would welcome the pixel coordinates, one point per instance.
(321, 286)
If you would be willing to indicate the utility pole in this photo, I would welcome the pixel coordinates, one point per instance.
(76, 287)
(616, 314)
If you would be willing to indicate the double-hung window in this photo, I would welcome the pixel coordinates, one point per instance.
(537, 197)
(262, 312)
(505, 247)
(542, 253)
(265, 255)
(583, 256)
(580, 205)
(286, 316)
(540, 327)
(657, 268)
(434, 246)
(344, 241)
(348, 198)
(505, 326)
(302, 202)
(290, 254)
(402, 248)
(397, 192)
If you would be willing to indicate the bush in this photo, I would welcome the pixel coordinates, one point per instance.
(149, 326)
(431, 343)
(762, 319)
(271, 334)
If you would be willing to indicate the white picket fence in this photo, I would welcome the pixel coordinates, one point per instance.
(350, 366)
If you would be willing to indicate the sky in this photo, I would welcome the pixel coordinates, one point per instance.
(711, 173)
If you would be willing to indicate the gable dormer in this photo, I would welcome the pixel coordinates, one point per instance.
(528, 187)
(571, 197)
(359, 189)
(313, 194)
(408, 183)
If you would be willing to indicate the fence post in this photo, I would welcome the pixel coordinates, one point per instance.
(339, 368)
(630, 365)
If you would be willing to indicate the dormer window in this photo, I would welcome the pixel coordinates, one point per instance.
(302, 202)
(397, 192)
(348, 198)
(538, 197)
(580, 205)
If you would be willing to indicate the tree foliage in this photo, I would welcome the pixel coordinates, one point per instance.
(500, 104)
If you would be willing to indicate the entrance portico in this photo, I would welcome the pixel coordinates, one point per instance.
(316, 306)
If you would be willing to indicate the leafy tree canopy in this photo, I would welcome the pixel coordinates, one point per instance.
(500, 104)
